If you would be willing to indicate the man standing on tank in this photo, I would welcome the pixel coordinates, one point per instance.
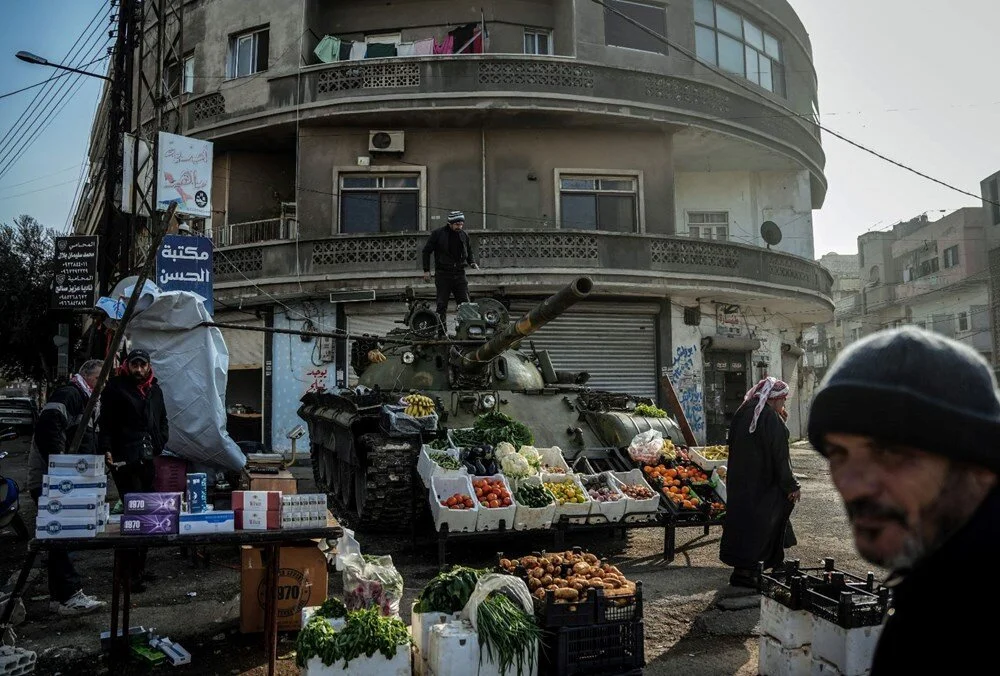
(452, 254)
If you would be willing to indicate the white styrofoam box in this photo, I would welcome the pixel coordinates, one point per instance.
(612, 511)
(553, 457)
(577, 511)
(719, 484)
(216, 521)
(74, 464)
(451, 439)
(458, 520)
(427, 468)
(708, 465)
(822, 668)
(531, 518)
(634, 477)
(851, 651)
(16, 661)
(336, 622)
(84, 505)
(68, 486)
(489, 517)
(454, 650)
(777, 661)
(420, 628)
(791, 628)
(376, 665)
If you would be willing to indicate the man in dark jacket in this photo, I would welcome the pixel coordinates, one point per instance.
(54, 432)
(909, 422)
(761, 489)
(133, 431)
(452, 253)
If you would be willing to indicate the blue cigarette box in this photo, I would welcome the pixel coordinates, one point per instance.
(197, 492)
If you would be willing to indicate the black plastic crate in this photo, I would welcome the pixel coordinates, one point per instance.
(596, 608)
(595, 650)
(620, 608)
(848, 606)
(788, 588)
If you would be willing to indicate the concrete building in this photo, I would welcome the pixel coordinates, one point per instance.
(991, 205)
(823, 341)
(575, 144)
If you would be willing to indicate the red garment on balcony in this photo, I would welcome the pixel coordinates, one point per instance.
(445, 47)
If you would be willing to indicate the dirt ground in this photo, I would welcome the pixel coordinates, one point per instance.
(198, 605)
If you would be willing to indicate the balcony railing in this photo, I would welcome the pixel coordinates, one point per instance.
(283, 227)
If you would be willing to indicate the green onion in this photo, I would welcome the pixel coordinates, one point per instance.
(509, 632)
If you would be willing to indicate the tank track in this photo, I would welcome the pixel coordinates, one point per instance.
(389, 476)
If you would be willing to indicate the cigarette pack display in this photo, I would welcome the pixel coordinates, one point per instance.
(149, 524)
(67, 464)
(257, 500)
(99, 517)
(197, 492)
(66, 486)
(49, 527)
(304, 501)
(258, 519)
(152, 503)
(221, 521)
(84, 505)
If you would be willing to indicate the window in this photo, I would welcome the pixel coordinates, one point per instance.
(247, 53)
(963, 321)
(379, 203)
(734, 43)
(598, 203)
(178, 78)
(929, 266)
(855, 334)
(708, 224)
(537, 41)
(620, 33)
(951, 256)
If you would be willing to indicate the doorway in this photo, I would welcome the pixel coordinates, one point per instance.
(726, 383)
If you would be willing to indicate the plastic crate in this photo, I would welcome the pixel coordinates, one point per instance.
(635, 477)
(597, 608)
(532, 518)
(606, 512)
(427, 468)
(694, 453)
(847, 606)
(490, 517)
(458, 520)
(577, 512)
(553, 457)
(597, 649)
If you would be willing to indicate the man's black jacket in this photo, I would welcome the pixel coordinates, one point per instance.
(445, 255)
(127, 417)
(56, 427)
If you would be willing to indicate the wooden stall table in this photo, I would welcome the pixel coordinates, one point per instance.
(125, 547)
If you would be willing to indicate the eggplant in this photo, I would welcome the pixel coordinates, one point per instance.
(480, 469)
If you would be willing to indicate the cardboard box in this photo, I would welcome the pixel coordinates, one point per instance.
(302, 582)
(256, 500)
(149, 524)
(82, 506)
(258, 519)
(68, 486)
(77, 465)
(197, 492)
(98, 516)
(66, 527)
(152, 503)
(208, 522)
(283, 481)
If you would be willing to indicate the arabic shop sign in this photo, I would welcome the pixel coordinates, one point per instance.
(184, 175)
(75, 273)
(184, 263)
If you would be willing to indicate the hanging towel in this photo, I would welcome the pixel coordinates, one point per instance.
(405, 49)
(328, 49)
(378, 50)
(423, 47)
(446, 46)
(345, 50)
(358, 50)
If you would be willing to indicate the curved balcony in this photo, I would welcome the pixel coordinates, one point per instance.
(522, 262)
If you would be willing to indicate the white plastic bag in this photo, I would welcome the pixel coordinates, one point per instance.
(512, 586)
(346, 545)
(372, 582)
(646, 447)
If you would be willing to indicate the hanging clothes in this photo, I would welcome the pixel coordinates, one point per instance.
(463, 35)
(358, 50)
(405, 49)
(380, 50)
(345, 50)
(423, 47)
(445, 47)
(328, 49)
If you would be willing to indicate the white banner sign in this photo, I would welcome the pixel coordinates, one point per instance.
(184, 175)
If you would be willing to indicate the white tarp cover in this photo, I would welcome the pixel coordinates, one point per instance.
(190, 363)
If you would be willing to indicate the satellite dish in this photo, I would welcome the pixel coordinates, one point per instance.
(771, 233)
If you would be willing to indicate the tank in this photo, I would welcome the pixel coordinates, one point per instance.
(486, 366)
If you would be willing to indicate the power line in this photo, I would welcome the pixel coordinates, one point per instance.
(39, 178)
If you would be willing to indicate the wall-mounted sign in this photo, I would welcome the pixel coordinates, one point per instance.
(184, 175)
(729, 321)
(184, 263)
(75, 281)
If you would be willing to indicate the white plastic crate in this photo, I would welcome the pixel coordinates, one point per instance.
(613, 511)
(16, 661)
(376, 665)
(708, 465)
(453, 650)
(634, 477)
(420, 628)
(427, 468)
(719, 484)
(790, 628)
(490, 517)
(337, 623)
(451, 439)
(532, 518)
(850, 651)
(458, 520)
(777, 661)
(576, 511)
(553, 457)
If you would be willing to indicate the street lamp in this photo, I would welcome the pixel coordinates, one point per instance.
(28, 57)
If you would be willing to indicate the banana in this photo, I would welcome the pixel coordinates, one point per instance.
(376, 356)
(418, 405)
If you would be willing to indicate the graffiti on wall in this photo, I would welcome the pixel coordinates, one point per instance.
(318, 380)
(687, 383)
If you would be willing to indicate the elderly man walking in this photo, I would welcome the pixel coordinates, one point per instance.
(452, 252)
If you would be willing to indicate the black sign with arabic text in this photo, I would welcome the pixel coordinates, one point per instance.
(75, 281)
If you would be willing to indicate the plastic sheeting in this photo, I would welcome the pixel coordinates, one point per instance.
(191, 363)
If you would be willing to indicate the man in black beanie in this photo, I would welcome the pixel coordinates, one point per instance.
(452, 252)
(910, 424)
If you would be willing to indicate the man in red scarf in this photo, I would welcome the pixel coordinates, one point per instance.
(133, 431)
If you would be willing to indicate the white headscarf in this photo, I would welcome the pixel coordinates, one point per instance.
(768, 388)
(78, 380)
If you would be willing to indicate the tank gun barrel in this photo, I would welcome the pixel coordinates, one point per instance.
(533, 320)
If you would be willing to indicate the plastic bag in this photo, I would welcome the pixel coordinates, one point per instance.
(512, 586)
(646, 447)
(372, 581)
(345, 546)
(398, 424)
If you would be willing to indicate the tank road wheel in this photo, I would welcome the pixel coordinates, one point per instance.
(318, 458)
(330, 470)
(345, 484)
(383, 486)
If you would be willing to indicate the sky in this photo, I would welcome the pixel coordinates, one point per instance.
(914, 84)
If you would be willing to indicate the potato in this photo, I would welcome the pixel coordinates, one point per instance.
(537, 572)
(581, 568)
(549, 569)
(547, 580)
(556, 560)
(539, 593)
(597, 573)
(613, 583)
(559, 581)
(579, 586)
(506, 564)
(567, 594)
(533, 584)
(590, 558)
(552, 588)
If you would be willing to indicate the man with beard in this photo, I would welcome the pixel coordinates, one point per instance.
(452, 252)
(761, 490)
(133, 431)
(909, 422)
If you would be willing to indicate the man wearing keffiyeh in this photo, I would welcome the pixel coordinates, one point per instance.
(761, 489)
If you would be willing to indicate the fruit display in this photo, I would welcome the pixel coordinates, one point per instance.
(549, 469)
(458, 501)
(675, 476)
(492, 493)
(715, 452)
(535, 496)
(600, 491)
(637, 492)
(445, 461)
(518, 464)
(566, 492)
(647, 411)
(569, 575)
(376, 357)
(479, 460)
(417, 405)
(682, 496)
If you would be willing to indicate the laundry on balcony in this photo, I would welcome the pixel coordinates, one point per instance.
(328, 49)
(380, 50)
(466, 39)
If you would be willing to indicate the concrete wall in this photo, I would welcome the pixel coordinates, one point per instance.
(751, 198)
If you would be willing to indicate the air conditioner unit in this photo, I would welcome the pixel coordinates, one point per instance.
(385, 141)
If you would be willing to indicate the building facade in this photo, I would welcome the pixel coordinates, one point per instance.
(822, 341)
(574, 142)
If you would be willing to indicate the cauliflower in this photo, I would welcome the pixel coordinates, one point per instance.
(531, 454)
(515, 466)
(504, 449)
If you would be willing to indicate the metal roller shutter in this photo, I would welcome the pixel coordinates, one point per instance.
(246, 348)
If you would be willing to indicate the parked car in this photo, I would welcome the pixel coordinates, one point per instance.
(18, 411)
